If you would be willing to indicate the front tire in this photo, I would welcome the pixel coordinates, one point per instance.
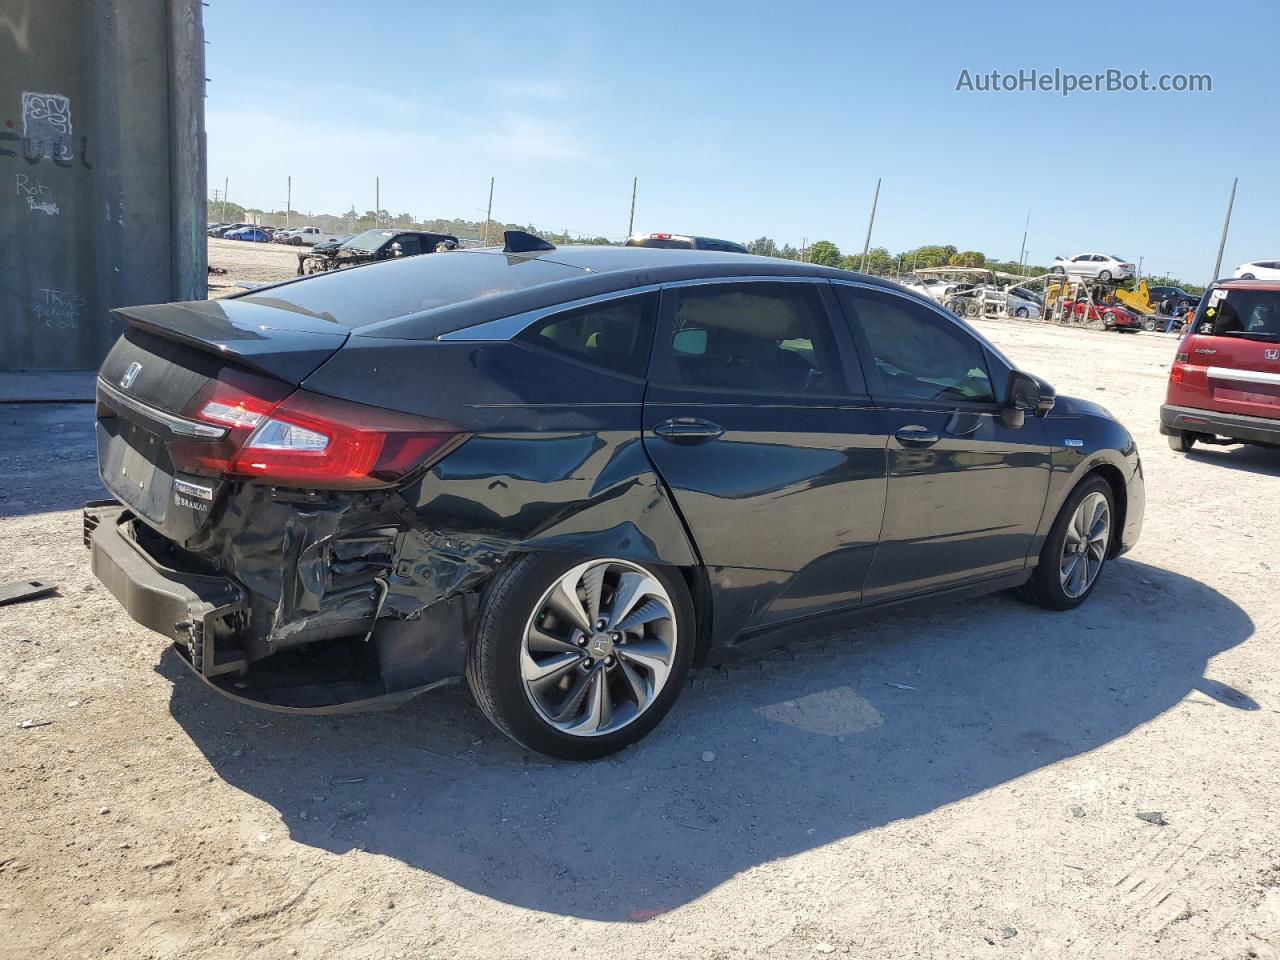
(1247, 276)
(576, 658)
(1076, 549)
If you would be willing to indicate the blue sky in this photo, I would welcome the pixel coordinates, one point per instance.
(746, 119)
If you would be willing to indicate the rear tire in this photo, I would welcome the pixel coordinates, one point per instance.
(521, 664)
(1021, 313)
(1247, 276)
(1181, 442)
(1053, 585)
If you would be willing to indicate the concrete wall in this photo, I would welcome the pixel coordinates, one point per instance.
(102, 171)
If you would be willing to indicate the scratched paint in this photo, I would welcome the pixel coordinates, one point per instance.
(37, 195)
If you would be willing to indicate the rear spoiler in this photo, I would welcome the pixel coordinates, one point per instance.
(285, 344)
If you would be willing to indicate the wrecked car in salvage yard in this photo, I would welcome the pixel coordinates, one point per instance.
(570, 475)
(370, 247)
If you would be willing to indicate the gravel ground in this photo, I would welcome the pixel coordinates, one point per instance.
(979, 780)
(250, 262)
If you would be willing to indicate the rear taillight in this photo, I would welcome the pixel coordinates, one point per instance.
(314, 441)
(1177, 373)
(301, 439)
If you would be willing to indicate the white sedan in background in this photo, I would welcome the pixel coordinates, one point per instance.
(1093, 265)
(1258, 270)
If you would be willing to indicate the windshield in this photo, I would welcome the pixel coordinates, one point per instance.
(1252, 314)
(369, 241)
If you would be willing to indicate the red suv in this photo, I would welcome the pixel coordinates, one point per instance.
(1225, 381)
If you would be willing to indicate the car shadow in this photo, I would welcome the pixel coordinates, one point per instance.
(813, 743)
(1247, 457)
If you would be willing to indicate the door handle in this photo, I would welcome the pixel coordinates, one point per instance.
(688, 429)
(916, 436)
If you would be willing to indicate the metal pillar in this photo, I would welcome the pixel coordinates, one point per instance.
(102, 171)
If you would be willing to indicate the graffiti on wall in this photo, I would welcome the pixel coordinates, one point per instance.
(59, 309)
(37, 195)
(46, 132)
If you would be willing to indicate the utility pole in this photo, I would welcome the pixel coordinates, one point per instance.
(377, 198)
(1139, 276)
(288, 204)
(1025, 227)
(1222, 244)
(631, 224)
(225, 181)
(488, 213)
(866, 246)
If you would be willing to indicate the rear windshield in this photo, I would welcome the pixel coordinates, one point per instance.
(1251, 314)
(358, 296)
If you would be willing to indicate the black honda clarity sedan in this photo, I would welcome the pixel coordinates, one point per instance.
(573, 474)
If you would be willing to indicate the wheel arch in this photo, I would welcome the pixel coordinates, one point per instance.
(1119, 497)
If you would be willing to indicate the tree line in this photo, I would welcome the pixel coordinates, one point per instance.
(879, 261)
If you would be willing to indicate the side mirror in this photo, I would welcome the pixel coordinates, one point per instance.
(1026, 394)
(396, 250)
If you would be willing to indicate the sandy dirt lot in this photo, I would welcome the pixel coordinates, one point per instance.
(251, 263)
(973, 781)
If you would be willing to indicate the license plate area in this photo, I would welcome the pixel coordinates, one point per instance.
(135, 467)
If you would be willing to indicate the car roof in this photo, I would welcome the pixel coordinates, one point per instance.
(423, 297)
(1236, 284)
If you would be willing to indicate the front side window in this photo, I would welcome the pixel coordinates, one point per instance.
(410, 244)
(614, 334)
(919, 354)
(762, 337)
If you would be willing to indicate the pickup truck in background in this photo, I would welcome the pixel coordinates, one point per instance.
(305, 236)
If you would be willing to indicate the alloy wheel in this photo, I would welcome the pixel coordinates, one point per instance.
(598, 647)
(1084, 548)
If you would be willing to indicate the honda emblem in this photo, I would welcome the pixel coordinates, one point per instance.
(1271, 354)
(130, 374)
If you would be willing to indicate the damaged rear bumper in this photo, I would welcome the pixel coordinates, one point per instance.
(205, 614)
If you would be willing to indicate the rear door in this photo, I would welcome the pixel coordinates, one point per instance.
(758, 420)
(1237, 344)
(965, 491)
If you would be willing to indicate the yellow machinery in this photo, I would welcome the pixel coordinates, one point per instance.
(1138, 299)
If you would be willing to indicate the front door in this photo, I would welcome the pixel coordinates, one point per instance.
(758, 420)
(965, 492)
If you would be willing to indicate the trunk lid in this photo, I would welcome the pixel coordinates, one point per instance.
(161, 370)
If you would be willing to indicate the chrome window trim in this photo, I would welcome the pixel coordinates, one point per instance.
(179, 425)
(507, 328)
(705, 281)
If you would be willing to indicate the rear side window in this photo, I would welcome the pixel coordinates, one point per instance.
(763, 337)
(919, 354)
(615, 334)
